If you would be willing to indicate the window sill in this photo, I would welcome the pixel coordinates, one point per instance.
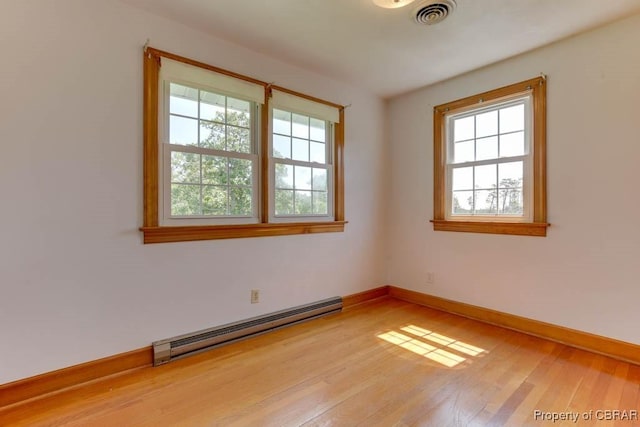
(514, 228)
(214, 232)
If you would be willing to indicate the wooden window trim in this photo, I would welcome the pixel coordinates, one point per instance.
(154, 233)
(214, 232)
(539, 225)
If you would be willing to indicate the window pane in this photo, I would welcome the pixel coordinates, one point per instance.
(238, 112)
(212, 106)
(303, 139)
(214, 200)
(320, 203)
(512, 144)
(240, 201)
(185, 167)
(303, 203)
(510, 174)
(284, 176)
(463, 152)
(318, 130)
(463, 129)
(318, 152)
(185, 199)
(183, 100)
(300, 126)
(319, 179)
(183, 131)
(487, 124)
(486, 202)
(214, 170)
(281, 122)
(512, 118)
(284, 202)
(240, 172)
(510, 196)
(463, 178)
(510, 201)
(281, 146)
(212, 135)
(238, 139)
(462, 202)
(486, 176)
(300, 149)
(487, 148)
(302, 178)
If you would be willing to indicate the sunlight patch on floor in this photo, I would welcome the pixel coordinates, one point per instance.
(433, 346)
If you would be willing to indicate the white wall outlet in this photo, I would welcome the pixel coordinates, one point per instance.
(430, 278)
(255, 296)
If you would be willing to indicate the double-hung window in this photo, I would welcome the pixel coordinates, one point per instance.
(301, 153)
(210, 156)
(489, 162)
(230, 156)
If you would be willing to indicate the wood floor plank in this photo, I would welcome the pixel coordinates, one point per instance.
(382, 363)
(630, 398)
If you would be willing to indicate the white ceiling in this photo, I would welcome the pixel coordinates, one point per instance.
(383, 49)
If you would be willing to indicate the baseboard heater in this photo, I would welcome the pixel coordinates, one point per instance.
(181, 346)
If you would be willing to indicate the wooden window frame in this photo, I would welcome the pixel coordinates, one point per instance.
(153, 232)
(538, 226)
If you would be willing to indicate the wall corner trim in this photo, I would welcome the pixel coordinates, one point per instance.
(605, 346)
(361, 297)
(62, 379)
(55, 381)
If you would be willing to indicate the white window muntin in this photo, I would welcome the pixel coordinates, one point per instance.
(169, 219)
(300, 217)
(166, 219)
(327, 166)
(526, 158)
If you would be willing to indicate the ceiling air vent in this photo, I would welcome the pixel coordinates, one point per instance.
(432, 12)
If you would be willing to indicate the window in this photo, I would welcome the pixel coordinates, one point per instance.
(210, 157)
(301, 159)
(229, 156)
(489, 162)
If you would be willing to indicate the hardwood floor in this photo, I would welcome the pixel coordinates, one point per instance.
(382, 363)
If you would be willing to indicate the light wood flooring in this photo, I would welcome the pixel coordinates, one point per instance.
(382, 363)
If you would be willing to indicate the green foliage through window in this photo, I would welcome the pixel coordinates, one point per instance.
(217, 183)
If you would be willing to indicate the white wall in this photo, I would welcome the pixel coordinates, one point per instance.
(586, 273)
(76, 283)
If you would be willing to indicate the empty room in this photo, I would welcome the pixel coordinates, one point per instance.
(320, 212)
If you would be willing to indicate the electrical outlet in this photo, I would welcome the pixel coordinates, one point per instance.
(430, 278)
(255, 296)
